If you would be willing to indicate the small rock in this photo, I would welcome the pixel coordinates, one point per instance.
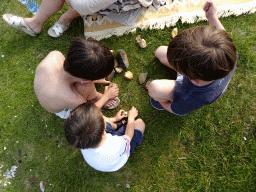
(142, 77)
(141, 42)
(122, 59)
(128, 75)
(174, 32)
(119, 69)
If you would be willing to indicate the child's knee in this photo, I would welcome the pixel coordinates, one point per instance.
(152, 89)
(161, 52)
(158, 52)
(140, 125)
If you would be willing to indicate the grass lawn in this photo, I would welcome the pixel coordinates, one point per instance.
(211, 149)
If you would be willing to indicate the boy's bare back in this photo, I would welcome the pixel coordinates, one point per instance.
(52, 87)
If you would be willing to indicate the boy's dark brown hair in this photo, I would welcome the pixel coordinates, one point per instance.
(202, 53)
(89, 59)
(85, 126)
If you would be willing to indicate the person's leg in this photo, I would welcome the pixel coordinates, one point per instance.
(162, 90)
(140, 125)
(161, 54)
(47, 9)
(138, 134)
(62, 24)
(68, 16)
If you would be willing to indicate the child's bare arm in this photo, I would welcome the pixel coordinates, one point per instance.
(109, 120)
(210, 10)
(129, 132)
(118, 117)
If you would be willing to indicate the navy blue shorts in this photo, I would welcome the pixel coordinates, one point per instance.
(120, 131)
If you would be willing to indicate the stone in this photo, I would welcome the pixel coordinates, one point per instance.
(122, 59)
(174, 32)
(128, 75)
(141, 42)
(142, 77)
(119, 69)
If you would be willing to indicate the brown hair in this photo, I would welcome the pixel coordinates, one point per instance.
(203, 53)
(89, 59)
(85, 126)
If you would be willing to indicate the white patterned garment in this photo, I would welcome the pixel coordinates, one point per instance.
(122, 11)
(126, 12)
(88, 7)
(64, 114)
(109, 157)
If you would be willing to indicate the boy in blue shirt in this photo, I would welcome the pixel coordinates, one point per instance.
(205, 59)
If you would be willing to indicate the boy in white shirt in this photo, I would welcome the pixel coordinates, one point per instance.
(106, 143)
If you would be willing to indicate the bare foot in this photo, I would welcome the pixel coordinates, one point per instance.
(110, 103)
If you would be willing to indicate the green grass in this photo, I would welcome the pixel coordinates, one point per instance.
(212, 139)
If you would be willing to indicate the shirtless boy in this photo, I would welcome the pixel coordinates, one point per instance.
(61, 84)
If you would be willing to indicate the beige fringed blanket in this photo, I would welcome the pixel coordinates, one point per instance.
(189, 11)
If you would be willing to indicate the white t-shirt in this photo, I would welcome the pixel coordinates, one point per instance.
(109, 157)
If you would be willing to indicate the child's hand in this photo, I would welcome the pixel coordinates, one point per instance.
(111, 92)
(133, 113)
(120, 115)
(210, 9)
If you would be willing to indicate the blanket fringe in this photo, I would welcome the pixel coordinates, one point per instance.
(223, 11)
